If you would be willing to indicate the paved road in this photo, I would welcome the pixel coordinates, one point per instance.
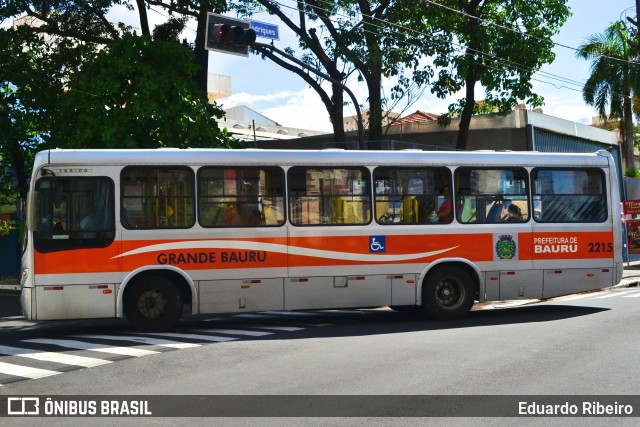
(579, 345)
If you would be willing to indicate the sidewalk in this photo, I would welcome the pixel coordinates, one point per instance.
(630, 275)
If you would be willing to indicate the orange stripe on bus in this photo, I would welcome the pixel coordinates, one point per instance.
(201, 254)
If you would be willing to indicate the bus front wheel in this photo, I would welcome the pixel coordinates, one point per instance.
(154, 304)
(448, 293)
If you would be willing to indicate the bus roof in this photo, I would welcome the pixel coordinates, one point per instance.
(332, 157)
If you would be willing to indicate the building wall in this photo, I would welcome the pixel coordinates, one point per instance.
(218, 86)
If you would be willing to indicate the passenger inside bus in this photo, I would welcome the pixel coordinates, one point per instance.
(230, 215)
(255, 218)
(514, 214)
(444, 211)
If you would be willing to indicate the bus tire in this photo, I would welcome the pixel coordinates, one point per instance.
(448, 293)
(154, 304)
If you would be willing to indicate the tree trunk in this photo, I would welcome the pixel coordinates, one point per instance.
(627, 139)
(20, 167)
(336, 113)
(144, 20)
(467, 111)
(374, 83)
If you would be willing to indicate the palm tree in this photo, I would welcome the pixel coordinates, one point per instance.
(614, 80)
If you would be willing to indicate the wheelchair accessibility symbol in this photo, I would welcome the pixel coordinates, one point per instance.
(377, 244)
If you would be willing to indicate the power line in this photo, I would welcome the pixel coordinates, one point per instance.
(459, 47)
(521, 33)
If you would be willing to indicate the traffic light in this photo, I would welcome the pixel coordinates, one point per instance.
(229, 35)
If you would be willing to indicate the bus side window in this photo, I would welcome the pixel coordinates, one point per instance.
(329, 196)
(240, 196)
(157, 197)
(486, 193)
(412, 195)
(569, 195)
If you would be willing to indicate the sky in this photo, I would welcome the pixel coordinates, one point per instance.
(285, 98)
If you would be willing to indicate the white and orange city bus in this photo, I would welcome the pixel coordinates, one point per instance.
(144, 233)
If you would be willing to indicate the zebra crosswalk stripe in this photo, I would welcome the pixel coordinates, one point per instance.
(46, 356)
(142, 340)
(80, 345)
(210, 338)
(25, 371)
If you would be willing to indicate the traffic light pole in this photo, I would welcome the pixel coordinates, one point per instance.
(258, 46)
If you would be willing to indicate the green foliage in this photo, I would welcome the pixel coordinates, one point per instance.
(360, 38)
(614, 80)
(500, 44)
(609, 78)
(5, 227)
(128, 97)
(31, 80)
(632, 172)
(109, 90)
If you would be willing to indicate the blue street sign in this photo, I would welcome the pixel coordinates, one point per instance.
(264, 30)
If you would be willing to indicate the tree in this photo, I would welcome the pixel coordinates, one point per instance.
(358, 36)
(59, 88)
(320, 56)
(5, 227)
(499, 44)
(31, 79)
(197, 10)
(613, 81)
(129, 97)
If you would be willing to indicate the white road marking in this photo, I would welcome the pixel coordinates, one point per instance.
(46, 356)
(142, 340)
(211, 338)
(125, 351)
(25, 371)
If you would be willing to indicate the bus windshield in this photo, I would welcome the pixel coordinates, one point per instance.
(73, 213)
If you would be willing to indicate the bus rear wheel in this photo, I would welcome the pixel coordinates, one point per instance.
(154, 304)
(448, 293)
